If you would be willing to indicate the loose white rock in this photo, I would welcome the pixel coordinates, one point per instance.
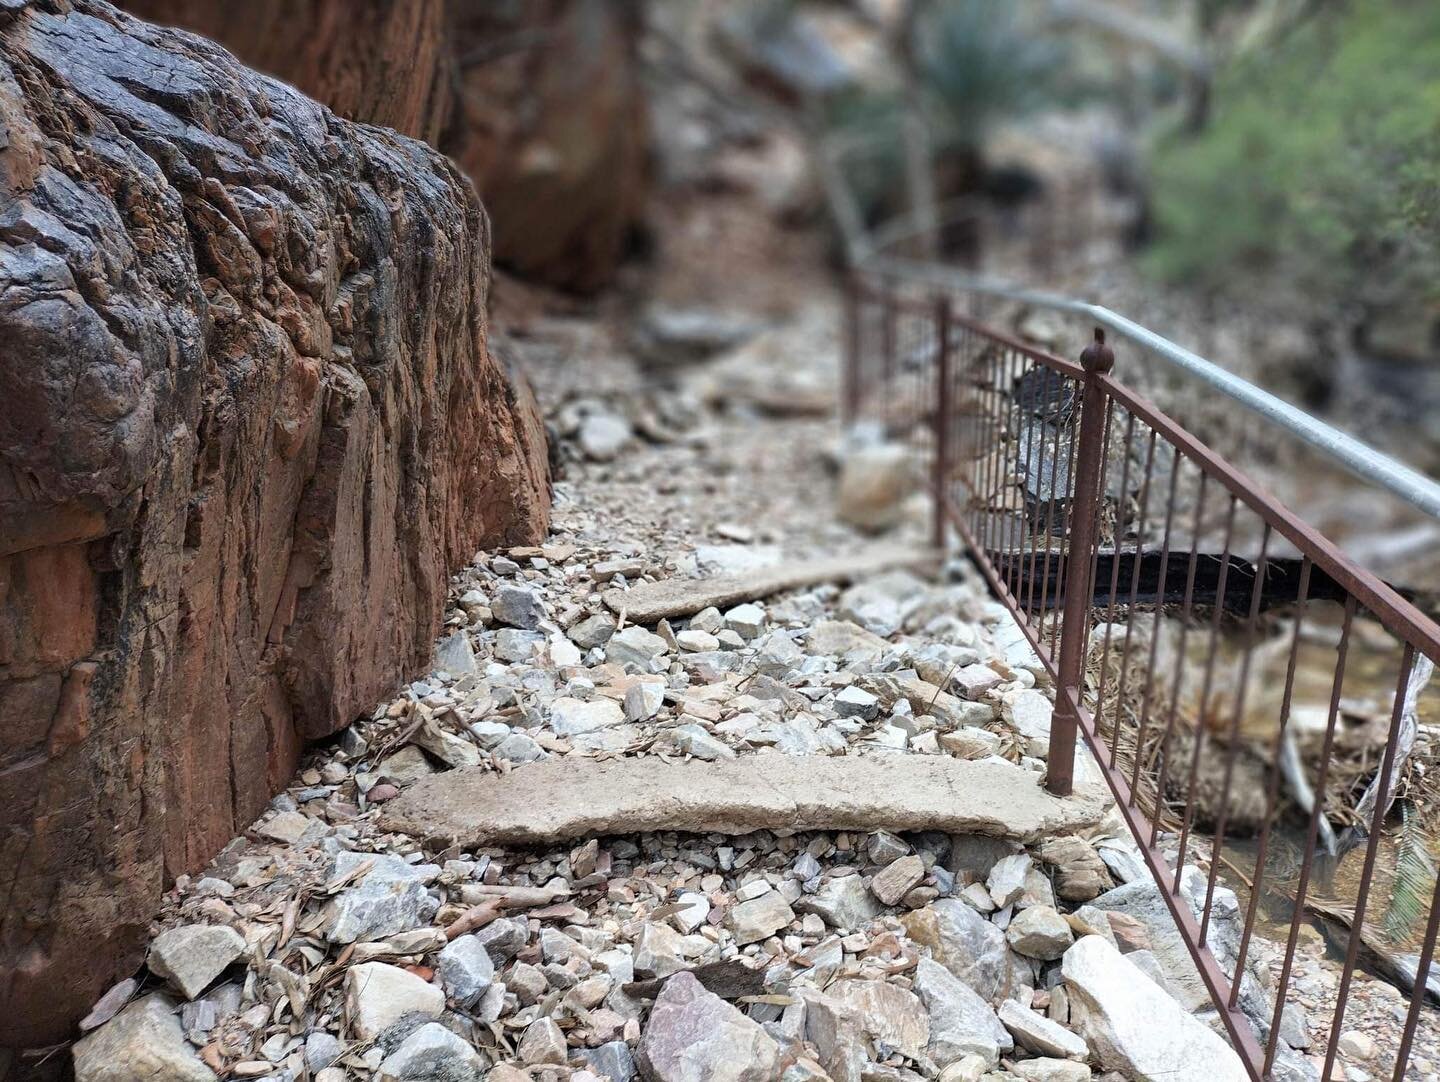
(571, 717)
(377, 995)
(192, 956)
(432, 1053)
(143, 1041)
(1133, 1027)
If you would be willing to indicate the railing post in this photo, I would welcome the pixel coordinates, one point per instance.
(850, 404)
(1097, 360)
(944, 419)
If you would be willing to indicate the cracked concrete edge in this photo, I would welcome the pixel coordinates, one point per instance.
(648, 602)
(564, 799)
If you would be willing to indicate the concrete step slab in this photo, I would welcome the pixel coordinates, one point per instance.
(568, 798)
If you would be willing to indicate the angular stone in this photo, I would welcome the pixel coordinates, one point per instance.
(433, 1054)
(835, 1029)
(961, 1023)
(571, 717)
(611, 1060)
(518, 606)
(738, 796)
(1028, 711)
(518, 748)
(925, 698)
(1006, 881)
(1039, 1034)
(890, 1015)
(465, 969)
(759, 918)
(694, 641)
(695, 1036)
(515, 646)
(143, 1041)
(321, 1050)
(643, 699)
(896, 880)
(192, 956)
(455, 655)
(854, 702)
(378, 995)
(377, 907)
(1080, 874)
(1039, 932)
(974, 681)
(1051, 1070)
(503, 939)
(659, 951)
(1134, 1027)
(543, 1042)
(635, 646)
(747, 621)
(592, 631)
(965, 943)
(843, 903)
(694, 740)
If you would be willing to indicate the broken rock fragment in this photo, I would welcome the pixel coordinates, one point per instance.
(433, 1054)
(378, 995)
(760, 917)
(1134, 1027)
(142, 1041)
(897, 879)
(194, 955)
(695, 1036)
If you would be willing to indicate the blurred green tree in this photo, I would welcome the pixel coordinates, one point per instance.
(1320, 167)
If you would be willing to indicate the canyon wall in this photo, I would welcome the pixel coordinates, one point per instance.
(248, 424)
(541, 103)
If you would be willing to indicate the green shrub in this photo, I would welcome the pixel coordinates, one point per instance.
(1321, 163)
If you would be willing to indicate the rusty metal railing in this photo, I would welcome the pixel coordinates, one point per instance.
(1243, 688)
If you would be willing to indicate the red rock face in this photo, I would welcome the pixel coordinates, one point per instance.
(549, 120)
(248, 424)
(551, 124)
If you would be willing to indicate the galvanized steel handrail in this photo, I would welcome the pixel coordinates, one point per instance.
(1359, 458)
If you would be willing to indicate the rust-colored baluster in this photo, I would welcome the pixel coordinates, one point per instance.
(1097, 360)
(1362, 897)
(1272, 794)
(1308, 862)
(944, 420)
(1257, 589)
(1177, 682)
(1206, 685)
(1155, 631)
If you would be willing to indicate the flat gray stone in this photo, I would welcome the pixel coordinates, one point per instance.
(961, 1023)
(1134, 1027)
(695, 1036)
(737, 796)
(142, 1041)
(193, 955)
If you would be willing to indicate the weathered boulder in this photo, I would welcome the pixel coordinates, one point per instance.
(250, 423)
(374, 61)
(1134, 1027)
(552, 125)
(541, 103)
